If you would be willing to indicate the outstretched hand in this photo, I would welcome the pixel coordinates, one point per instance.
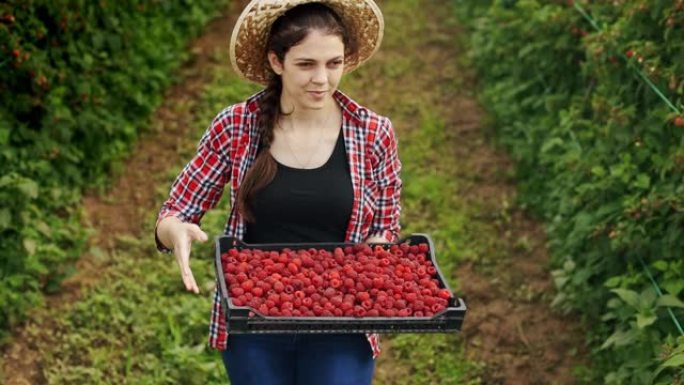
(183, 236)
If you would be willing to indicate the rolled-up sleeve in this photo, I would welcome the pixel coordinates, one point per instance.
(199, 186)
(386, 174)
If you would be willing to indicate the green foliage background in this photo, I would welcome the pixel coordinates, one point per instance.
(78, 81)
(600, 159)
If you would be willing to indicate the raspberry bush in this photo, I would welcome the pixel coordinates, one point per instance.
(78, 81)
(600, 157)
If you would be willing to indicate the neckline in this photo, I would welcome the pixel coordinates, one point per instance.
(332, 155)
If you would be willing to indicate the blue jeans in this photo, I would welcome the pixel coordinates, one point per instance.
(298, 359)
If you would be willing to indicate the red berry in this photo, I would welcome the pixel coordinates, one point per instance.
(362, 296)
(257, 291)
(679, 121)
(444, 294)
(292, 267)
(349, 283)
(329, 292)
(247, 285)
(278, 287)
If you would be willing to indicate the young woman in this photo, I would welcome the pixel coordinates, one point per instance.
(305, 163)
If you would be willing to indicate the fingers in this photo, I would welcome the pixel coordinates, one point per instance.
(189, 282)
(189, 233)
(196, 234)
(182, 252)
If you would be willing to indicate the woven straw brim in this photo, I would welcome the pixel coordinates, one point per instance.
(250, 35)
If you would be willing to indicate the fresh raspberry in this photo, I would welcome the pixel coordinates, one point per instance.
(359, 280)
(248, 285)
(444, 294)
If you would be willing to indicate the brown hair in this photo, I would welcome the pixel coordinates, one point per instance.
(287, 31)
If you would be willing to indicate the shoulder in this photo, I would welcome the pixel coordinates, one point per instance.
(236, 118)
(370, 121)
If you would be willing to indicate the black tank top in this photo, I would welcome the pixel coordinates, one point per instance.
(305, 205)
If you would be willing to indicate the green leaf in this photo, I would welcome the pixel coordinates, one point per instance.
(598, 171)
(613, 281)
(549, 144)
(673, 286)
(29, 188)
(4, 135)
(647, 298)
(644, 320)
(661, 265)
(643, 181)
(620, 338)
(5, 219)
(630, 297)
(669, 300)
(675, 361)
(44, 228)
(30, 246)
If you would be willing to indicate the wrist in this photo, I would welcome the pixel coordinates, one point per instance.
(166, 231)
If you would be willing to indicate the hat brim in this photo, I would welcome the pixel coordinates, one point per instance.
(362, 18)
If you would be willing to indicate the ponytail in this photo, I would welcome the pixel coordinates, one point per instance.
(263, 170)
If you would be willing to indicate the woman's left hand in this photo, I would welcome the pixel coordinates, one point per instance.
(377, 239)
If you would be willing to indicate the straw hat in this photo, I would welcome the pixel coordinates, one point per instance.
(250, 35)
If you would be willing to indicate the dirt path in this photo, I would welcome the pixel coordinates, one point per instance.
(509, 324)
(120, 212)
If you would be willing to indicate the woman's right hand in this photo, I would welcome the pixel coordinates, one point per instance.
(180, 235)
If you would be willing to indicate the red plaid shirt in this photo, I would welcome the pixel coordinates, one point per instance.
(227, 150)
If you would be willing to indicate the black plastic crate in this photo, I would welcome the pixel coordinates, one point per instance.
(239, 321)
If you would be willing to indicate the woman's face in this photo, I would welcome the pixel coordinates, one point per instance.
(311, 71)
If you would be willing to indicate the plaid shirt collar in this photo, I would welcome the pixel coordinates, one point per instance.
(349, 107)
